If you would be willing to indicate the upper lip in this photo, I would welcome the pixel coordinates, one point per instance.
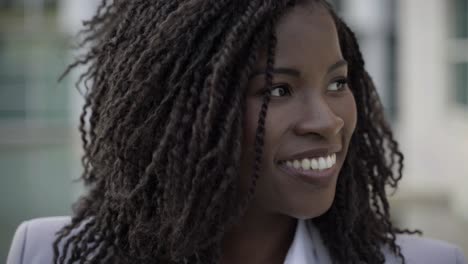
(313, 153)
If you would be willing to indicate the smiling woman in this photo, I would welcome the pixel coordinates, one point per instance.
(229, 132)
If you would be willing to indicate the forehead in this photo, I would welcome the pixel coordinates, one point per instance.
(307, 33)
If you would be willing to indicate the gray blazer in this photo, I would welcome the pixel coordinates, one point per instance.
(32, 244)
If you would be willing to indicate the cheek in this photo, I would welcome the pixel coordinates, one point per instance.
(249, 127)
(352, 114)
(347, 110)
(270, 140)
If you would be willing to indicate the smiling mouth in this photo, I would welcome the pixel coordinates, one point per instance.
(315, 171)
(313, 164)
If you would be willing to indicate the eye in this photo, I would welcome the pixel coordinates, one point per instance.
(280, 90)
(338, 85)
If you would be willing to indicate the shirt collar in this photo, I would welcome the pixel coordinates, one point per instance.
(307, 246)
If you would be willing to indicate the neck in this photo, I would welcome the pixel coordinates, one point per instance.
(259, 237)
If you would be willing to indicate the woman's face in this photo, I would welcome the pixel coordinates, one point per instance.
(310, 119)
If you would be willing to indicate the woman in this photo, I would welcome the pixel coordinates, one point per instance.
(229, 132)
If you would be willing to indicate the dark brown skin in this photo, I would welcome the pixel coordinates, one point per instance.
(307, 111)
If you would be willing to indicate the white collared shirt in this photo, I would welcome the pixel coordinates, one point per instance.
(307, 246)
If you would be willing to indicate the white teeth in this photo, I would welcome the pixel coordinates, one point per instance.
(296, 164)
(305, 164)
(329, 162)
(314, 164)
(320, 163)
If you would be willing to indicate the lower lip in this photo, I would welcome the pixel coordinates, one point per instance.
(315, 177)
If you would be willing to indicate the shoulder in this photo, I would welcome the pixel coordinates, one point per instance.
(425, 250)
(33, 240)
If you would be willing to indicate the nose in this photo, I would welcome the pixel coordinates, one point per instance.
(318, 118)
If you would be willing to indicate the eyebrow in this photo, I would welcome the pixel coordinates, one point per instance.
(297, 73)
(338, 64)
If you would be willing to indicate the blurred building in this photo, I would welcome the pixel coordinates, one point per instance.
(433, 125)
(416, 51)
(39, 148)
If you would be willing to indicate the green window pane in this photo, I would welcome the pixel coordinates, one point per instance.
(461, 83)
(30, 65)
(461, 18)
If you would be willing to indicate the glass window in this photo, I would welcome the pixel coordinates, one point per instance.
(460, 41)
(461, 83)
(461, 18)
(30, 64)
(37, 157)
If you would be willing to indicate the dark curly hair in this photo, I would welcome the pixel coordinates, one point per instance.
(161, 129)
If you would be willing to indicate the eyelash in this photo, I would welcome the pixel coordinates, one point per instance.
(342, 82)
(286, 87)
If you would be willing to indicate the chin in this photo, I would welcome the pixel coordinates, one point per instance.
(313, 209)
(312, 214)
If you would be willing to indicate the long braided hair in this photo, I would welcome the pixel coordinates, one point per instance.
(161, 129)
